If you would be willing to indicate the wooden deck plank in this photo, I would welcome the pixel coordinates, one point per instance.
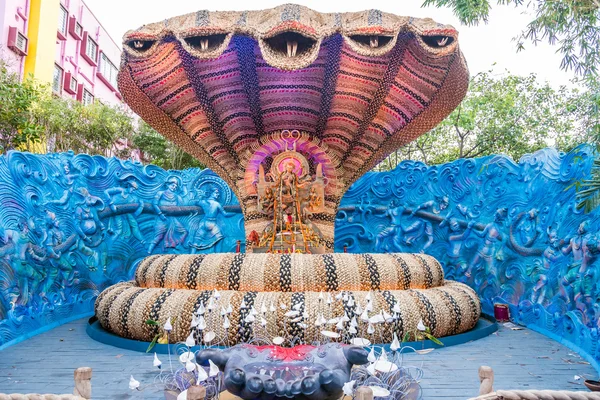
(520, 359)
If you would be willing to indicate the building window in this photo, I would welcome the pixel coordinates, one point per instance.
(75, 28)
(63, 21)
(108, 70)
(87, 98)
(91, 49)
(78, 29)
(57, 80)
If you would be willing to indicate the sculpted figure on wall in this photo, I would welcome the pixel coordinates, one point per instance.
(391, 238)
(67, 179)
(423, 227)
(24, 258)
(578, 283)
(125, 225)
(208, 235)
(489, 252)
(551, 264)
(168, 229)
(90, 229)
(456, 240)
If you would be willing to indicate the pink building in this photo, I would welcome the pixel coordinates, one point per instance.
(62, 43)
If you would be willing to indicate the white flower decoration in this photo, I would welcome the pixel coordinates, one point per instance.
(133, 384)
(348, 388)
(157, 363)
(167, 326)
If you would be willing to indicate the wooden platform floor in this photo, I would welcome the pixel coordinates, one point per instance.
(521, 360)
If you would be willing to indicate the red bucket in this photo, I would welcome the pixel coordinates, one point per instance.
(501, 312)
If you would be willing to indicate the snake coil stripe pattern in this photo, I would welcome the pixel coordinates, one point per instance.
(293, 273)
(430, 305)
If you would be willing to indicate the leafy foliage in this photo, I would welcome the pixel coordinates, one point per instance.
(160, 151)
(17, 128)
(588, 191)
(584, 103)
(513, 115)
(92, 129)
(572, 24)
(30, 116)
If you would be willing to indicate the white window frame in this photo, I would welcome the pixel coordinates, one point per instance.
(78, 29)
(73, 79)
(65, 28)
(58, 88)
(87, 97)
(91, 43)
(108, 70)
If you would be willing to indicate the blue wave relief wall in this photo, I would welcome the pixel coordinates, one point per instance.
(71, 225)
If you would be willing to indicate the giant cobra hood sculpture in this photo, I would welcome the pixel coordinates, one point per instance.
(290, 106)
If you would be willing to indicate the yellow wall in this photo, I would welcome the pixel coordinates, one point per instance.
(43, 25)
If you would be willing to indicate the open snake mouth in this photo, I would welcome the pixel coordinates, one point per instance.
(205, 43)
(290, 44)
(372, 41)
(438, 41)
(140, 45)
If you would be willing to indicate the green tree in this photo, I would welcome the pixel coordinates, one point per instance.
(586, 106)
(584, 103)
(512, 115)
(571, 24)
(92, 129)
(17, 128)
(160, 151)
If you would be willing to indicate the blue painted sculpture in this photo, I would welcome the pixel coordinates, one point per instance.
(541, 253)
(72, 225)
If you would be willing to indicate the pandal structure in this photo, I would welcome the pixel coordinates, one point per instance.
(290, 107)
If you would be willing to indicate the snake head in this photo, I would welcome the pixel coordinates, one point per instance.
(251, 372)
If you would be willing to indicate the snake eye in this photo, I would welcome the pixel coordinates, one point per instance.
(205, 42)
(374, 42)
(290, 44)
(438, 41)
(140, 45)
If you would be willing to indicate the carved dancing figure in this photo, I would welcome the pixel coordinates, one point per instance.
(577, 284)
(20, 253)
(59, 272)
(395, 231)
(68, 179)
(455, 243)
(422, 227)
(125, 225)
(486, 252)
(528, 228)
(208, 233)
(459, 212)
(442, 204)
(551, 262)
(168, 228)
(90, 229)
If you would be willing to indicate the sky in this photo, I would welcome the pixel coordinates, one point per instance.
(486, 46)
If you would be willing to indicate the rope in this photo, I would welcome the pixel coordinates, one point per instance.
(538, 395)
